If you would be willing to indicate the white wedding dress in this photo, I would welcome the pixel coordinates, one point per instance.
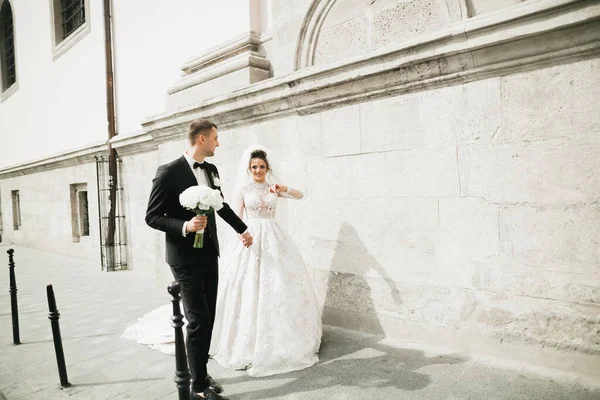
(267, 320)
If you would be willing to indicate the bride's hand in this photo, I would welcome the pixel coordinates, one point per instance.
(246, 239)
(277, 188)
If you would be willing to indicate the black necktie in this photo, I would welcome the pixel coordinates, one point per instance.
(199, 165)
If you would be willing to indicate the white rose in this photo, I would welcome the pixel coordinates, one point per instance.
(217, 181)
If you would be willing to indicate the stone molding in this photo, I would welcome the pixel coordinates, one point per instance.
(240, 52)
(70, 158)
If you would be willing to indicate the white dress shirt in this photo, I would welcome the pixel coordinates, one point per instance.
(201, 178)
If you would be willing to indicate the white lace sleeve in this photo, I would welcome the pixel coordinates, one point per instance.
(292, 194)
(238, 203)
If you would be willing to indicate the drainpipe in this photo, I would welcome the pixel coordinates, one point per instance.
(112, 132)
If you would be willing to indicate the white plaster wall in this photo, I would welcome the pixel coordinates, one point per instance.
(60, 105)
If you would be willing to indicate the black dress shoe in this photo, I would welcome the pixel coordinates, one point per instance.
(208, 395)
(214, 385)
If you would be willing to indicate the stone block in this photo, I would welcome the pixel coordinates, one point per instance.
(353, 177)
(347, 39)
(422, 173)
(347, 220)
(553, 238)
(405, 20)
(310, 129)
(373, 301)
(554, 171)
(469, 234)
(288, 18)
(505, 275)
(350, 255)
(438, 117)
(466, 112)
(537, 321)
(279, 136)
(393, 124)
(407, 235)
(479, 7)
(232, 144)
(341, 131)
(345, 10)
(551, 102)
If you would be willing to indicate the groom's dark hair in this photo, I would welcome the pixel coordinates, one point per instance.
(200, 127)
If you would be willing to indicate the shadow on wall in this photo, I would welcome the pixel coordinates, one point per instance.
(349, 297)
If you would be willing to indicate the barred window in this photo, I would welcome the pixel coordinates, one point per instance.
(7, 46)
(16, 209)
(73, 16)
(70, 22)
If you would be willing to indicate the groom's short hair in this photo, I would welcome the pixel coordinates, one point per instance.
(200, 127)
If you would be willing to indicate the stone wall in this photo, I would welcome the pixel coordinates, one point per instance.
(451, 193)
(46, 215)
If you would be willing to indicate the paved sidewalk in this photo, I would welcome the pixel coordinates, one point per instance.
(95, 307)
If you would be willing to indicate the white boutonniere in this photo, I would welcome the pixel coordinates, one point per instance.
(216, 181)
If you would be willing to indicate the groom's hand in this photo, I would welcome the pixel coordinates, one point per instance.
(247, 239)
(197, 223)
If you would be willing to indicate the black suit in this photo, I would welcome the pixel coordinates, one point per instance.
(195, 269)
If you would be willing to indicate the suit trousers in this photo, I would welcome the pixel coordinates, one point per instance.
(199, 283)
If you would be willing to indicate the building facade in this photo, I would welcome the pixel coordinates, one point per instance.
(448, 151)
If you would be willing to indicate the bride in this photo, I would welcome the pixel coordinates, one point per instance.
(267, 318)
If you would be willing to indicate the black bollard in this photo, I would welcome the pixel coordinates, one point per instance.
(53, 316)
(14, 308)
(182, 373)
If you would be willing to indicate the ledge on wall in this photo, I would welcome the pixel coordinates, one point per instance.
(227, 67)
(65, 159)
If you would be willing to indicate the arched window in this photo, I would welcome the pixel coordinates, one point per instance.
(8, 69)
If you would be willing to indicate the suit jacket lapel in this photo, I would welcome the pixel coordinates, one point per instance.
(188, 175)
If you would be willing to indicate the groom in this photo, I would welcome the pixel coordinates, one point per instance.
(196, 270)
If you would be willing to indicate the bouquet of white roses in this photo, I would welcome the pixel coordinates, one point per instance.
(201, 199)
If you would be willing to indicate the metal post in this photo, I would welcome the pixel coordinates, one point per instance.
(14, 308)
(182, 373)
(54, 316)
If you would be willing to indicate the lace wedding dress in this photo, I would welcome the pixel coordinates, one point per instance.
(267, 319)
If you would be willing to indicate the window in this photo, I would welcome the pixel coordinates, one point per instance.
(7, 48)
(80, 219)
(16, 209)
(73, 16)
(70, 21)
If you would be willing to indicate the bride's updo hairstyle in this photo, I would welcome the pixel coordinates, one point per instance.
(260, 154)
